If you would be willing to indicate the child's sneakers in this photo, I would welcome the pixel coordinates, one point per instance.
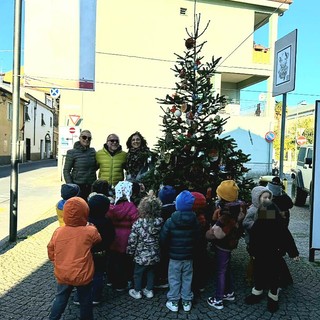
(186, 306)
(218, 304)
(135, 294)
(148, 293)
(172, 306)
(229, 296)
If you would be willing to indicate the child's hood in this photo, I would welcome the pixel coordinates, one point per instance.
(75, 212)
(256, 192)
(184, 218)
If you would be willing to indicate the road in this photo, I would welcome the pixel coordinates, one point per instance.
(38, 191)
(5, 171)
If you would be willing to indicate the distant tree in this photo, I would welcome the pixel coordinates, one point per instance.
(290, 141)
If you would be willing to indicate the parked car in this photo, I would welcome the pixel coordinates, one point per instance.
(302, 176)
(263, 181)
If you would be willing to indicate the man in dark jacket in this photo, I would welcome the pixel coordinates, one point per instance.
(80, 165)
(179, 234)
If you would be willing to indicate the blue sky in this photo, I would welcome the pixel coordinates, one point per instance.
(302, 15)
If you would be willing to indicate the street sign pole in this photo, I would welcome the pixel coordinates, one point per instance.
(283, 124)
(15, 123)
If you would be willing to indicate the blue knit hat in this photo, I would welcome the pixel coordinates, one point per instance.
(184, 201)
(69, 190)
(167, 194)
(98, 204)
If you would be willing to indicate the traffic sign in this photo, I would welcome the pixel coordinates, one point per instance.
(301, 140)
(270, 136)
(54, 93)
(74, 118)
(72, 130)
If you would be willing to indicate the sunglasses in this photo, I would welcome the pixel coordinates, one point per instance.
(86, 137)
(113, 141)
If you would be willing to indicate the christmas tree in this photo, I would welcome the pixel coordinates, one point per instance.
(192, 154)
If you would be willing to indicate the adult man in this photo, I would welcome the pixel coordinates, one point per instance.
(111, 160)
(80, 166)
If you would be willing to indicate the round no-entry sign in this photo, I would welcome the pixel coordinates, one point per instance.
(301, 140)
(270, 136)
(72, 130)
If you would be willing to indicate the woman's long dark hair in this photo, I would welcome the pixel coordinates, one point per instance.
(143, 140)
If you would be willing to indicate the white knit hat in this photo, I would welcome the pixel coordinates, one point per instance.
(123, 189)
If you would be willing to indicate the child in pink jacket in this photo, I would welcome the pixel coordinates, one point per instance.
(123, 214)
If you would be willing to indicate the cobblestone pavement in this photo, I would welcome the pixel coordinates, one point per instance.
(27, 284)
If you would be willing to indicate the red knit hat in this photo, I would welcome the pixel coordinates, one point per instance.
(199, 202)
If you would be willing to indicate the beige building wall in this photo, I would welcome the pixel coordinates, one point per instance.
(6, 129)
(135, 46)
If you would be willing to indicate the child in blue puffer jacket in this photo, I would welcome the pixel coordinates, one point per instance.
(180, 234)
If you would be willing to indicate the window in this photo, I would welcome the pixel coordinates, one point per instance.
(183, 11)
(43, 123)
(50, 121)
(49, 101)
(9, 111)
(26, 113)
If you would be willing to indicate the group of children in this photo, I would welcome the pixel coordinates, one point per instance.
(161, 241)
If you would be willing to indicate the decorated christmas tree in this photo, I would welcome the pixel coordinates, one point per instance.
(192, 154)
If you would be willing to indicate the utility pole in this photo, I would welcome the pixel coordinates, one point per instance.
(15, 122)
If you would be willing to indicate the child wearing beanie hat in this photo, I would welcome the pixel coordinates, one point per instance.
(228, 190)
(99, 205)
(167, 195)
(180, 234)
(200, 261)
(68, 190)
(225, 234)
(280, 198)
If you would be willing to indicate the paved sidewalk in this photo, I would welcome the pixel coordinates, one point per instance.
(27, 284)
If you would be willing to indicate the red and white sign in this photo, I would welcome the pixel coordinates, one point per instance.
(270, 136)
(74, 118)
(72, 130)
(67, 137)
(301, 140)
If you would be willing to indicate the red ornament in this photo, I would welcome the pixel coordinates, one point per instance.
(173, 109)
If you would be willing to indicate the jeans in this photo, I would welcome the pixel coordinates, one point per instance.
(120, 269)
(97, 285)
(224, 280)
(180, 278)
(138, 276)
(62, 297)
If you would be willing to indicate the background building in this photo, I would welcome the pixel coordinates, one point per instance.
(136, 42)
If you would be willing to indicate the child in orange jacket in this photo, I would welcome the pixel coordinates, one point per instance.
(70, 252)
